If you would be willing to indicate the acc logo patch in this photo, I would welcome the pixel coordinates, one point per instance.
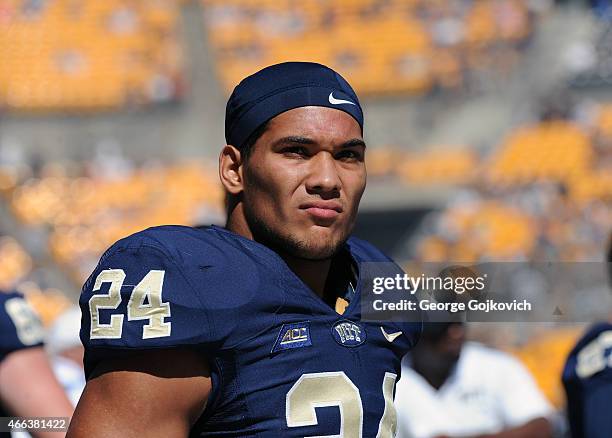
(295, 335)
(349, 333)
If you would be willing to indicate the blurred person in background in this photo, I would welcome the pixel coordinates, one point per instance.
(453, 388)
(28, 387)
(587, 378)
(66, 351)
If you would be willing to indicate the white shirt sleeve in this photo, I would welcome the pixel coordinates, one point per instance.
(520, 398)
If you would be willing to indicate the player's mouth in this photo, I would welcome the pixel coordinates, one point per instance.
(325, 210)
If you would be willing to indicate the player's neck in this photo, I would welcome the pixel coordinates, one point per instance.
(312, 272)
(236, 222)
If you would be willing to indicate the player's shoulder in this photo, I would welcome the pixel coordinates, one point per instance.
(588, 357)
(180, 248)
(171, 240)
(12, 305)
(190, 264)
(6, 296)
(169, 286)
(586, 378)
(483, 357)
(593, 332)
(364, 251)
(19, 325)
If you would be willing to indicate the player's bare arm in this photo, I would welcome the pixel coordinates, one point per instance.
(153, 394)
(536, 428)
(29, 388)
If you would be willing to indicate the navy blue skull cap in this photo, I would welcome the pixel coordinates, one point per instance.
(282, 87)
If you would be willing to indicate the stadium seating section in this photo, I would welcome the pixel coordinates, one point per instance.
(16, 265)
(16, 262)
(544, 356)
(544, 192)
(419, 45)
(88, 55)
(528, 198)
(593, 68)
(91, 55)
(87, 214)
(48, 303)
(550, 151)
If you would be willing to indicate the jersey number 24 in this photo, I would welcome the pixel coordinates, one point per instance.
(312, 390)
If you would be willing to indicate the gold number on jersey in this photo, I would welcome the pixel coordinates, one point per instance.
(592, 359)
(29, 328)
(106, 301)
(388, 423)
(150, 288)
(316, 390)
(155, 311)
(325, 389)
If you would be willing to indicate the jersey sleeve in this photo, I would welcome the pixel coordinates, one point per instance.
(139, 297)
(596, 409)
(20, 327)
(587, 378)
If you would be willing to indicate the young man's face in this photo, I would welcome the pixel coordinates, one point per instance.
(303, 181)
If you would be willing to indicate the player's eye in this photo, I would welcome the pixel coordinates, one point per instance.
(295, 151)
(349, 155)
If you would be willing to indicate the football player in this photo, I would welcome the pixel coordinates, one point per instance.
(587, 378)
(254, 329)
(28, 387)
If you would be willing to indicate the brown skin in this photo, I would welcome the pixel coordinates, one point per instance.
(153, 394)
(309, 161)
(537, 428)
(74, 354)
(434, 357)
(28, 388)
(307, 155)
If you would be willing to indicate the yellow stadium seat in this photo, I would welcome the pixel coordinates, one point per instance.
(382, 47)
(73, 46)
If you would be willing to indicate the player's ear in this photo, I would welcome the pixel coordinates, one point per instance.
(230, 169)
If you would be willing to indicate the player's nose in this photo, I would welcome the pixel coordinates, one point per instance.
(323, 177)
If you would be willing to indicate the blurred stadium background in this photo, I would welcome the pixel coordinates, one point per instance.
(488, 123)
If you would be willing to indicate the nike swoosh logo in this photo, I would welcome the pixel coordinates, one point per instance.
(335, 101)
(390, 336)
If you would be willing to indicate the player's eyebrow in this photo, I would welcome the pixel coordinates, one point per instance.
(305, 140)
(294, 139)
(353, 142)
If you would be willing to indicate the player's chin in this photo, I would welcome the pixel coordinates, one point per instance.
(322, 243)
(317, 251)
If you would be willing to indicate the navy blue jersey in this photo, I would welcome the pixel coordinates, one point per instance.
(284, 363)
(587, 378)
(19, 327)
